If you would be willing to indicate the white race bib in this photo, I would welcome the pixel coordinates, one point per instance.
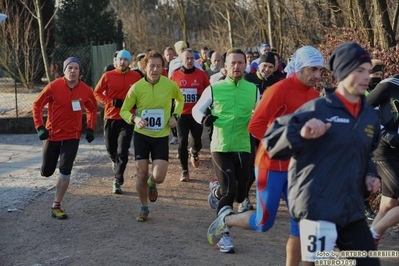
(317, 239)
(190, 95)
(154, 118)
(76, 105)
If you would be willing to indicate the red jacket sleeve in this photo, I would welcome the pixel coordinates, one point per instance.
(38, 106)
(91, 110)
(269, 108)
(99, 91)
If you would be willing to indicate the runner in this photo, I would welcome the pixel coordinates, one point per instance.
(153, 97)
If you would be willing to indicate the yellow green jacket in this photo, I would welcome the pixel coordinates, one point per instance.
(154, 104)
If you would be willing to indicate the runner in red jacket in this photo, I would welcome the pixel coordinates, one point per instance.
(192, 83)
(66, 97)
(111, 91)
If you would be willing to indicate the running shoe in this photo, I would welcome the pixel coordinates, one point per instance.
(152, 193)
(143, 216)
(117, 189)
(245, 206)
(225, 244)
(185, 177)
(219, 226)
(194, 158)
(56, 212)
(174, 141)
(213, 201)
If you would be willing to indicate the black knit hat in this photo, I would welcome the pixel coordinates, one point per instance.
(347, 57)
(267, 57)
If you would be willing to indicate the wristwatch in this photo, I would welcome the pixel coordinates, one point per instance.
(176, 116)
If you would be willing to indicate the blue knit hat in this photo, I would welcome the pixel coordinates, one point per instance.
(346, 58)
(70, 60)
(124, 54)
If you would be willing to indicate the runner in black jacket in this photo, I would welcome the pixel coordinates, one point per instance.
(386, 157)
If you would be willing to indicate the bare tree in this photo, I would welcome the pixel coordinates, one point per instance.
(181, 13)
(365, 21)
(37, 14)
(17, 58)
(387, 35)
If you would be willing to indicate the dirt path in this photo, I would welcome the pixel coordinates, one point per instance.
(102, 227)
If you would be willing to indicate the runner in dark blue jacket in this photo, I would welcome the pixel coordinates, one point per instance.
(331, 141)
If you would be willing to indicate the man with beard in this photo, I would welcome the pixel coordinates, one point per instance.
(111, 91)
(262, 78)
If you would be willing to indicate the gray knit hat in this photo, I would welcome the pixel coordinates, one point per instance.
(70, 60)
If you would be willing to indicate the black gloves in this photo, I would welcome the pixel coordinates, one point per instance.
(208, 120)
(117, 103)
(42, 132)
(89, 135)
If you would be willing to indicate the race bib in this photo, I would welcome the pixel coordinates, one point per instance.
(317, 239)
(154, 118)
(190, 95)
(76, 105)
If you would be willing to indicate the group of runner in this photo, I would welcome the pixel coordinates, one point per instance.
(317, 152)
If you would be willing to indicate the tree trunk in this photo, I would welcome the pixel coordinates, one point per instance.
(230, 27)
(270, 22)
(366, 24)
(336, 12)
(39, 18)
(395, 19)
(182, 19)
(262, 23)
(280, 43)
(387, 35)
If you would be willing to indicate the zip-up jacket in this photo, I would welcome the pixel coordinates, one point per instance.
(154, 102)
(62, 121)
(386, 97)
(282, 98)
(114, 85)
(327, 174)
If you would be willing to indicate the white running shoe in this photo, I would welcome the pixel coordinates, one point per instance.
(219, 226)
(225, 244)
(213, 201)
(245, 206)
(174, 141)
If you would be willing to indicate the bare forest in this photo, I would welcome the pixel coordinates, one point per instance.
(284, 24)
(34, 29)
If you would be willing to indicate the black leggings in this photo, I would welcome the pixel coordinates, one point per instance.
(188, 127)
(117, 136)
(66, 150)
(357, 236)
(389, 172)
(232, 170)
